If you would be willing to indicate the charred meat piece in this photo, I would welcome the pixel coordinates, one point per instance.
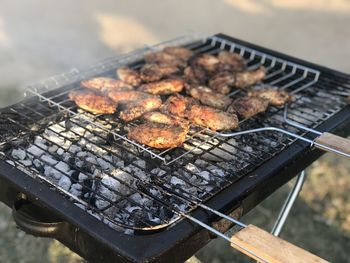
(135, 109)
(178, 105)
(154, 72)
(231, 62)
(208, 62)
(190, 77)
(128, 75)
(105, 84)
(222, 82)
(158, 117)
(214, 119)
(163, 87)
(126, 96)
(180, 52)
(158, 135)
(162, 57)
(274, 96)
(248, 78)
(92, 102)
(247, 107)
(208, 97)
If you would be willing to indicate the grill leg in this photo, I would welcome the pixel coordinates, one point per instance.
(288, 204)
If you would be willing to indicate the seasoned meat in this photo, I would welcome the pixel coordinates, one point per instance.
(222, 82)
(154, 72)
(212, 118)
(274, 96)
(248, 78)
(208, 97)
(178, 105)
(92, 102)
(105, 84)
(135, 109)
(163, 87)
(247, 107)
(127, 96)
(231, 62)
(180, 52)
(158, 117)
(128, 75)
(158, 135)
(208, 62)
(190, 77)
(162, 57)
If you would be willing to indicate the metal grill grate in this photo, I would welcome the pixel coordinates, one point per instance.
(88, 158)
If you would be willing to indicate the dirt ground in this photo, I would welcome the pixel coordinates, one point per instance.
(41, 38)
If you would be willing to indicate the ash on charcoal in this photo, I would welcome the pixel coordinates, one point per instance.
(103, 164)
(18, 154)
(158, 171)
(205, 175)
(82, 177)
(64, 182)
(176, 181)
(35, 150)
(49, 160)
(26, 162)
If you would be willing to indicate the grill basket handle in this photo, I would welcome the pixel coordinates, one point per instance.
(333, 143)
(26, 216)
(269, 247)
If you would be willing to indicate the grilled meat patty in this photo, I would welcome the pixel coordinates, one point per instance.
(178, 105)
(128, 75)
(248, 78)
(180, 52)
(159, 117)
(92, 102)
(153, 72)
(104, 84)
(158, 135)
(222, 82)
(161, 57)
(135, 109)
(207, 62)
(208, 97)
(231, 62)
(126, 96)
(247, 107)
(214, 119)
(163, 87)
(274, 96)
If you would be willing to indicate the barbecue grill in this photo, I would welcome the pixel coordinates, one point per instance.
(76, 177)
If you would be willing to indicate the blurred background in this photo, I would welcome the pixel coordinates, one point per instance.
(43, 38)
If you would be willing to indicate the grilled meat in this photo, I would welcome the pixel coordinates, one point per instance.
(248, 78)
(207, 62)
(126, 96)
(158, 135)
(178, 105)
(163, 87)
(128, 75)
(92, 102)
(222, 82)
(158, 117)
(135, 109)
(231, 62)
(207, 97)
(247, 107)
(154, 72)
(212, 118)
(274, 96)
(180, 52)
(162, 57)
(105, 84)
(189, 76)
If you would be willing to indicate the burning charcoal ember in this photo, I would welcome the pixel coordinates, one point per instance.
(64, 182)
(103, 164)
(26, 162)
(216, 171)
(10, 162)
(63, 167)
(158, 171)
(49, 160)
(60, 151)
(82, 177)
(52, 173)
(205, 175)
(74, 149)
(35, 150)
(53, 148)
(176, 181)
(18, 154)
(137, 172)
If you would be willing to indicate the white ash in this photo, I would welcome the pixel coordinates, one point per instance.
(176, 181)
(205, 175)
(35, 150)
(158, 171)
(48, 160)
(64, 182)
(18, 154)
(26, 162)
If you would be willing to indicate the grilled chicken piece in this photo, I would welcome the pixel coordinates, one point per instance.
(105, 84)
(248, 78)
(180, 52)
(92, 102)
(158, 135)
(247, 107)
(126, 96)
(189, 76)
(163, 87)
(128, 75)
(231, 62)
(158, 117)
(208, 62)
(135, 109)
(214, 119)
(222, 82)
(178, 105)
(162, 57)
(208, 97)
(154, 72)
(274, 96)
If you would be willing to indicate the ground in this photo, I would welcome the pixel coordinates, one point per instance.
(41, 38)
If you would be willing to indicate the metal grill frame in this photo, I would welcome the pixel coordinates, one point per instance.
(244, 194)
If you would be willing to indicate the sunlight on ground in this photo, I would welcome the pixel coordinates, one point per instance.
(58, 254)
(264, 7)
(4, 39)
(123, 33)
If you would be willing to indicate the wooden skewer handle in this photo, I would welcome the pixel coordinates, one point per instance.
(269, 247)
(333, 141)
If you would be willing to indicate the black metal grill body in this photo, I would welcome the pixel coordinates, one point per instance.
(96, 241)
